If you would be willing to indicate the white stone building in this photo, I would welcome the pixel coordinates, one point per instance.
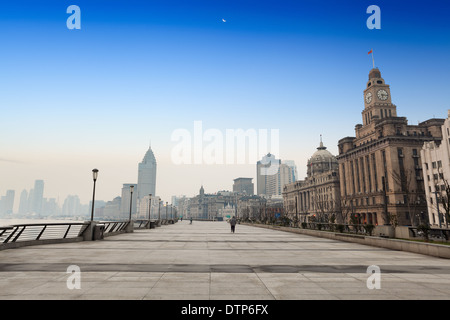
(436, 173)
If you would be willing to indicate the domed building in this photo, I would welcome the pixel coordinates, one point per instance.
(317, 198)
(321, 161)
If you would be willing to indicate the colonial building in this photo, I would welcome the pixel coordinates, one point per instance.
(206, 206)
(436, 173)
(380, 168)
(318, 196)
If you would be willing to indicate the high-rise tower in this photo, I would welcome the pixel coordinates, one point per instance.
(146, 176)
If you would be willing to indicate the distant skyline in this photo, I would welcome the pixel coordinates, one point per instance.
(74, 100)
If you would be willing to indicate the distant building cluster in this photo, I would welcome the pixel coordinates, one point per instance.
(390, 172)
(33, 204)
(242, 202)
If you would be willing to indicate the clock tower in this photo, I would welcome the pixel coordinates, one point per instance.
(377, 99)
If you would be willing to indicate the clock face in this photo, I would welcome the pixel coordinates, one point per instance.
(369, 97)
(382, 94)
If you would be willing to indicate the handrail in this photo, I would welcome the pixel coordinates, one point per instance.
(41, 231)
(60, 230)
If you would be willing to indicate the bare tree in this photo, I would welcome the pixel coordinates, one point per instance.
(412, 198)
(442, 187)
(343, 210)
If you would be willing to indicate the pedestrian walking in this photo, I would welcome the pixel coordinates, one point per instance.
(191, 220)
(233, 224)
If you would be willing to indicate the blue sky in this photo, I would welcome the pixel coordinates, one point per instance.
(72, 100)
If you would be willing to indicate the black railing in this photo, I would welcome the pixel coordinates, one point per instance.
(41, 231)
(436, 234)
(34, 232)
(114, 226)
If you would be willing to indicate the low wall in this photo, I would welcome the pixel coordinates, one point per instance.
(431, 249)
(18, 244)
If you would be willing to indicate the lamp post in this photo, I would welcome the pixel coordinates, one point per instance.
(149, 206)
(94, 176)
(159, 212)
(131, 199)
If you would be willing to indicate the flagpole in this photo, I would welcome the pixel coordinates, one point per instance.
(373, 61)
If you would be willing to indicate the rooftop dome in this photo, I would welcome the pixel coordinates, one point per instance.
(321, 161)
(374, 74)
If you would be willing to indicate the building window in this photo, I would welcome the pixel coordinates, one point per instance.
(369, 179)
(357, 175)
(433, 164)
(374, 165)
(439, 164)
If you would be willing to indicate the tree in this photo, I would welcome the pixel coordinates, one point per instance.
(343, 210)
(412, 198)
(442, 188)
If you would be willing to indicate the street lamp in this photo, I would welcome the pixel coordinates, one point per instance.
(159, 212)
(149, 206)
(94, 176)
(131, 199)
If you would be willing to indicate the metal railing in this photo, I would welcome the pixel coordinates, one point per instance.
(114, 226)
(437, 234)
(34, 232)
(41, 231)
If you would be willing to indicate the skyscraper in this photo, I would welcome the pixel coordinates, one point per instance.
(272, 174)
(146, 176)
(125, 201)
(7, 202)
(38, 195)
(23, 204)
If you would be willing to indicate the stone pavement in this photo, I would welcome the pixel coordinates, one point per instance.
(206, 261)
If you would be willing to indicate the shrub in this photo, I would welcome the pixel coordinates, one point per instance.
(369, 228)
(425, 230)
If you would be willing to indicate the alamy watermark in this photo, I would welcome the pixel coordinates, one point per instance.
(232, 146)
(374, 280)
(374, 21)
(74, 280)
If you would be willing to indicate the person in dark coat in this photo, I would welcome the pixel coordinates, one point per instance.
(233, 224)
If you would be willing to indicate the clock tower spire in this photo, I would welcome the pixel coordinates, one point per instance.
(377, 99)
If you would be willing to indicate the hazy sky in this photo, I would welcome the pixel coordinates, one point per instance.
(74, 100)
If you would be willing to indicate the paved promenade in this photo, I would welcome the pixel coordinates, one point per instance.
(206, 261)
